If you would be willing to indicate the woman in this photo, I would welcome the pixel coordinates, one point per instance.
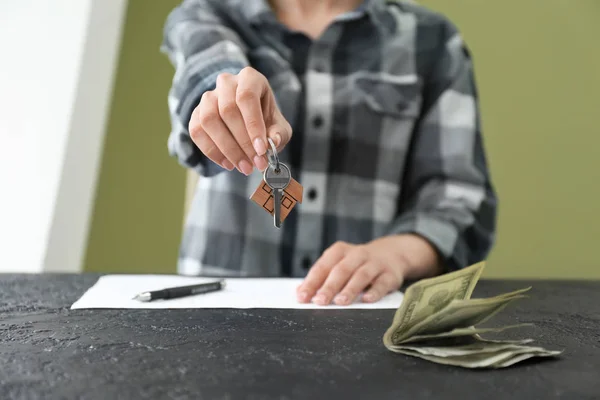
(371, 104)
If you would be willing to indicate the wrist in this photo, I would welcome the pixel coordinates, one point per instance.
(415, 256)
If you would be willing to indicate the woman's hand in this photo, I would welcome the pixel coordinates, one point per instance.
(381, 266)
(231, 124)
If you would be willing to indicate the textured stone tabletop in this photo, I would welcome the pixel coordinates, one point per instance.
(48, 351)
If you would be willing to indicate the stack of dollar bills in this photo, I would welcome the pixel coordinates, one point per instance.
(437, 322)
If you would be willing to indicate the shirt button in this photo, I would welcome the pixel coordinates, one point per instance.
(306, 263)
(317, 121)
(312, 194)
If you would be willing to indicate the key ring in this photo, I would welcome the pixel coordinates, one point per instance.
(273, 157)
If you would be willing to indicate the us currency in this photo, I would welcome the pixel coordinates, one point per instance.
(516, 358)
(484, 359)
(473, 351)
(460, 346)
(459, 351)
(461, 314)
(437, 322)
(428, 296)
(462, 332)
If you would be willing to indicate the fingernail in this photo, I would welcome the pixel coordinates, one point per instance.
(260, 146)
(369, 297)
(277, 139)
(319, 299)
(228, 165)
(341, 299)
(245, 167)
(260, 162)
(303, 296)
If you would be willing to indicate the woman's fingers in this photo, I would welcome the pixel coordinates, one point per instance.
(210, 122)
(251, 87)
(203, 141)
(339, 276)
(230, 124)
(361, 278)
(280, 132)
(382, 285)
(232, 118)
(320, 271)
(209, 148)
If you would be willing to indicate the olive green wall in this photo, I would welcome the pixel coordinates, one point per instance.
(538, 69)
(138, 215)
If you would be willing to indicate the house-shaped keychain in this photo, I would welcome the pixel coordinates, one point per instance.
(292, 194)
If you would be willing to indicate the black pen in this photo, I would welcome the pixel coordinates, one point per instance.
(181, 291)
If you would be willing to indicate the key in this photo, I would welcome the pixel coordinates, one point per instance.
(277, 179)
(278, 193)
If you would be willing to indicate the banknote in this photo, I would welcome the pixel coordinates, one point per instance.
(492, 359)
(463, 332)
(461, 314)
(463, 350)
(428, 296)
(471, 339)
(439, 322)
(516, 358)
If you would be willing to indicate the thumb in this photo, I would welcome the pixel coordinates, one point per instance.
(280, 132)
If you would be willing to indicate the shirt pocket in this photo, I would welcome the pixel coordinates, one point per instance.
(374, 124)
(388, 95)
(377, 112)
(372, 139)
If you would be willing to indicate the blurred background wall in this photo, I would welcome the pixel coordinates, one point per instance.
(138, 216)
(538, 68)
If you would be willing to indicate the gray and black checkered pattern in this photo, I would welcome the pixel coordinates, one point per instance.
(387, 135)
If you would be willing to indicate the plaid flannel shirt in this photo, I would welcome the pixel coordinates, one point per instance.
(386, 135)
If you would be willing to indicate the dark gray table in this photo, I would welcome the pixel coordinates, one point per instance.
(50, 352)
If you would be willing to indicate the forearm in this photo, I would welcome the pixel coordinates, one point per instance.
(457, 219)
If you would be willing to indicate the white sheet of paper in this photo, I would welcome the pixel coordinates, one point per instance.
(117, 291)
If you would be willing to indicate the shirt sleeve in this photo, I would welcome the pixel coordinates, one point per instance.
(200, 46)
(447, 196)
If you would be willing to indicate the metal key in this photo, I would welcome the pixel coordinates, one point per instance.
(277, 176)
(277, 179)
(277, 193)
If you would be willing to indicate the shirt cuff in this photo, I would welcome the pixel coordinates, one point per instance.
(441, 234)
